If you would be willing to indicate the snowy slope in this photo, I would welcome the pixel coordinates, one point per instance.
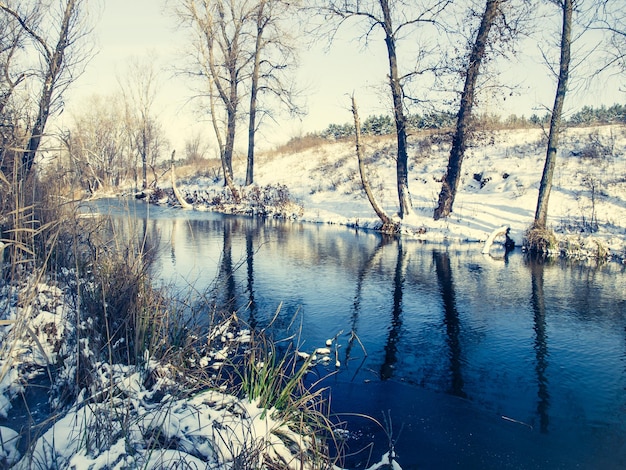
(501, 174)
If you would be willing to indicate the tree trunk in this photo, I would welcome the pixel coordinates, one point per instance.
(388, 224)
(254, 89)
(457, 152)
(144, 159)
(541, 214)
(230, 136)
(228, 177)
(402, 168)
(54, 62)
(251, 135)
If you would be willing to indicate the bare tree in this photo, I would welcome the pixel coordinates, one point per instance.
(273, 55)
(11, 75)
(11, 41)
(240, 48)
(55, 34)
(195, 148)
(228, 172)
(541, 214)
(97, 144)
(459, 144)
(611, 20)
(388, 224)
(139, 89)
(221, 57)
(394, 18)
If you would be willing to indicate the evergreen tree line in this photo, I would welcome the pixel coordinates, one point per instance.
(383, 124)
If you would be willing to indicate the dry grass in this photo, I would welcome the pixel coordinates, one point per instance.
(297, 145)
(540, 240)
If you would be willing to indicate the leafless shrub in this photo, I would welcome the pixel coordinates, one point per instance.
(596, 148)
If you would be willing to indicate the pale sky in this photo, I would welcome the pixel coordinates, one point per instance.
(136, 27)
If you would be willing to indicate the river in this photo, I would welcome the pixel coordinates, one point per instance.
(473, 361)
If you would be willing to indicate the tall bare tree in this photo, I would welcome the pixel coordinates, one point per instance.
(273, 56)
(220, 43)
(55, 33)
(262, 20)
(393, 18)
(240, 48)
(459, 144)
(541, 213)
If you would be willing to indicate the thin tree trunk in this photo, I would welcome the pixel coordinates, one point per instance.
(457, 152)
(254, 88)
(541, 214)
(230, 139)
(144, 159)
(402, 168)
(251, 135)
(386, 220)
(228, 177)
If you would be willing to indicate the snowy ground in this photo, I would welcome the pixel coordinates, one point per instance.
(501, 174)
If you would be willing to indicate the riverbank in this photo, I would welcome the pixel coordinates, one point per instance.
(499, 185)
(102, 369)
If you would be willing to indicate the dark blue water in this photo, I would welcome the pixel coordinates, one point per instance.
(473, 361)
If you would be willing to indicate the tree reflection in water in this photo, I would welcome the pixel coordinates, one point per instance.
(391, 346)
(356, 304)
(541, 343)
(450, 320)
(251, 234)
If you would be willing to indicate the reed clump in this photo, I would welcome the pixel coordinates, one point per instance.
(275, 381)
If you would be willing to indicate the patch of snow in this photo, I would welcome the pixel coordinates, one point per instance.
(8, 446)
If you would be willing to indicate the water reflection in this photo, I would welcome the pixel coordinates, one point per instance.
(250, 250)
(370, 260)
(391, 346)
(225, 291)
(541, 343)
(451, 320)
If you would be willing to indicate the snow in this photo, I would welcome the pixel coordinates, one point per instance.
(8, 445)
(135, 422)
(499, 186)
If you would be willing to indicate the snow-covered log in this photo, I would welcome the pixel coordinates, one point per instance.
(179, 197)
(496, 233)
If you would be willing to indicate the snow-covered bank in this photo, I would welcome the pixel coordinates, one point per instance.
(501, 174)
(149, 415)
